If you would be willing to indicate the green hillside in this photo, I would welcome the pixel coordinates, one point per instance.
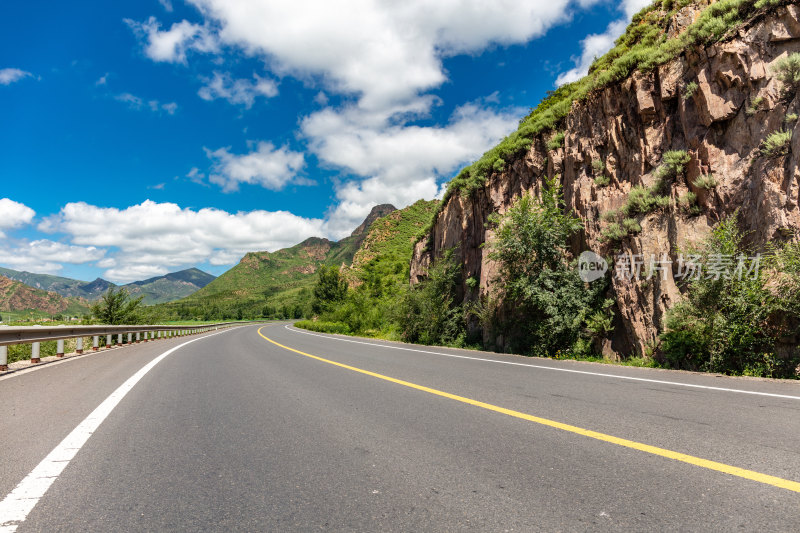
(272, 284)
(385, 255)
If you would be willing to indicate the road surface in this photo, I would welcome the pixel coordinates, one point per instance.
(269, 428)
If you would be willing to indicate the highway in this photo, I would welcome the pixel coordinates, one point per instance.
(269, 428)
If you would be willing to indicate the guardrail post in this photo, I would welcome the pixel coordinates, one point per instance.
(138, 337)
(3, 358)
(119, 339)
(95, 343)
(130, 337)
(35, 352)
(60, 348)
(108, 342)
(79, 346)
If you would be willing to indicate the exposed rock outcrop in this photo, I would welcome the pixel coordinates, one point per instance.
(628, 126)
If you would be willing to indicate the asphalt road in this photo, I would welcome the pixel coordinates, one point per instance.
(236, 433)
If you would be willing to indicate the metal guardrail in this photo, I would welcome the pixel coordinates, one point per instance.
(35, 335)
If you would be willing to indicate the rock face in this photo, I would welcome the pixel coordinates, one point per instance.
(628, 126)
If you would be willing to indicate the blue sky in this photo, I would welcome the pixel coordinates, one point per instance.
(140, 138)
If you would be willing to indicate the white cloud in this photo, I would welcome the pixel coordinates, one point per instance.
(592, 46)
(13, 215)
(45, 256)
(11, 75)
(137, 103)
(238, 92)
(401, 163)
(171, 45)
(631, 7)
(267, 166)
(153, 238)
(386, 52)
(595, 45)
(102, 80)
(166, 4)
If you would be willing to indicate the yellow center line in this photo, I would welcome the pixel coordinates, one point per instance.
(654, 450)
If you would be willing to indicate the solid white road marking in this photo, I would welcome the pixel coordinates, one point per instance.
(556, 369)
(21, 501)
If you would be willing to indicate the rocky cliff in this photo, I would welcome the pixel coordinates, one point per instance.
(717, 102)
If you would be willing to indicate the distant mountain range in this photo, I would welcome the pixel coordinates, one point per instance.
(264, 282)
(160, 289)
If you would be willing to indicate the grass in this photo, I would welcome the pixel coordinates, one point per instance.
(556, 141)
(707, 182)
(788, 71)
(644, 46)
(689, 90)
(602, 180)
(688, 204)
(776, 143)
(755, 105)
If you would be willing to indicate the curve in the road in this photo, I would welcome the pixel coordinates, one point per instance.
(654, 450)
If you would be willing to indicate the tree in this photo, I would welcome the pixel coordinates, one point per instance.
(545, 303)
(117, 307)
(331, 287)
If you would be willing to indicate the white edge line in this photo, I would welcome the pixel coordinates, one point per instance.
(14, 509)
(542, 367)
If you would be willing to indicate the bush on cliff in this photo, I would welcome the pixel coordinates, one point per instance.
(731, 323)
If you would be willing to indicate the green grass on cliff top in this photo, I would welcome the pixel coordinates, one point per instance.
(644, 46)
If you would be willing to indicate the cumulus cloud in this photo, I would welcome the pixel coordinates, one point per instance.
(237, 92)
(153, 238)
(137, 103)
(592, 46)
(270, 167)
(166, 4)
(171, 45)
(14, 215)
(46, 256)
(385, 52)
(400, 163)
(11, 75)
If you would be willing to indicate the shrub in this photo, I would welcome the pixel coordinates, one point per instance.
(673, 163)
(631, 225)
(776, 143)
(790, 118)
(598, 166)
(427, 312)
(324, 327)
(499, 165)
(602, 180)
(755, 105)
(788, 71)
(688, 204)
(642, 201)
(728, 324)
(706, 182)
(689, 89)
(610, 216)
(330, 289)
(613, 233)
(556, 141)
(546, 304)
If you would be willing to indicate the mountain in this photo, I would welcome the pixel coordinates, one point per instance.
(273, 280)
(690, 119)
(70, 288)
(17, 296)
(160, 289)
(170, 287)
(386, 249)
